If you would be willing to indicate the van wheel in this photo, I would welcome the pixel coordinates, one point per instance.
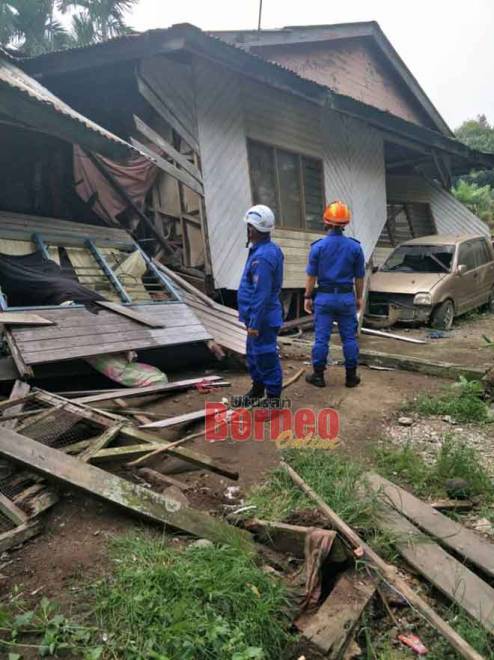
(443, 316)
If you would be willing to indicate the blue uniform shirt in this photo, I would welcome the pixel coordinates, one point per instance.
(336, 260)
(259, 291)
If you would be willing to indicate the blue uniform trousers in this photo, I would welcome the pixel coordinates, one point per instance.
(339, 307)
(263, 360)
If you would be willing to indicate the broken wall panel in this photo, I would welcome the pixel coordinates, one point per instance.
(79, 333)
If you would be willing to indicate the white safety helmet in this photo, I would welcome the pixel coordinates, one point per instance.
(260, 217)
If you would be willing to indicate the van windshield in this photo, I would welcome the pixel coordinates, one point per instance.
(420, 259)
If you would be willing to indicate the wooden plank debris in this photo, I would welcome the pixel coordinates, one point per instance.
(332, 627)
(186, 418)
(160, 480)
(25, 371)
(104, 419)
(19, 391)
(99, 442)
(19, 534)
(166, 147)
(145, 503)
(125, 393)
(23, 318)
(126, 452)
(386, 571)
(451, 577)
(449, 533)
(130, 314)
(12, 511)
(451, 505)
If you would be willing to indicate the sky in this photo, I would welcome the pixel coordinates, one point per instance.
(447, 44)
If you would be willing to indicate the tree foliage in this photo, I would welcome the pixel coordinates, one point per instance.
(476, 189)
(39, 26)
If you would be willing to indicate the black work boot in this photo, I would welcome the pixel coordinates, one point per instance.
(316, 378)
(352, 380)
(255, 394)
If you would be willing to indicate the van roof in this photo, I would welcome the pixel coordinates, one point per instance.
(442, 239)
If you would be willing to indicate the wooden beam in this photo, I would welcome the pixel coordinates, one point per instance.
(124, 453)
(331, 628)
(125, 393)
(99, 442)
(19, 535)
(453, 535)
(186, 418)
(181, 175)
(165, 146)
(12, 511)
(135, 499)
(386, 571)
(158, 105)
(161, 480)
(130, 313)
(23, 318)
(19, 391)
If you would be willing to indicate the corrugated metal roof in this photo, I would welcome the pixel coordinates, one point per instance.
(188, 37)
(86, 132)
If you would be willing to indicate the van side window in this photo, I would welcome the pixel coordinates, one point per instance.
(484, 254)
(467, 255)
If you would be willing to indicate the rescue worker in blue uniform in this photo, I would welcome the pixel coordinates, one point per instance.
(259, 306)
(337, 263)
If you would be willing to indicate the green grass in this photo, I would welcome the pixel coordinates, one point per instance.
(337, 479)
(212, 602)
(454, 459)
(164, 603)
(462, 401)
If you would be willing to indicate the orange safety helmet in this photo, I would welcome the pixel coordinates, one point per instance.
(337, 213)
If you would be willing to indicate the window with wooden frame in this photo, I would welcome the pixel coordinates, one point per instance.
(289, 183)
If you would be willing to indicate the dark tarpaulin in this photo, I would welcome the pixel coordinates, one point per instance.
(32, 280)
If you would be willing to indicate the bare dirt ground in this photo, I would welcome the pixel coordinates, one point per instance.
(74, 547)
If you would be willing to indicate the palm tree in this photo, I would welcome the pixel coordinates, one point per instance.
(98, 20)
(31, 25)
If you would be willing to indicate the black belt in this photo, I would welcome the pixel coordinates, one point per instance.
(341, 288)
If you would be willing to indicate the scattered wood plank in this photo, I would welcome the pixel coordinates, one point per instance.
(186, 418)
(20, 534)
(452, 505)
(290, 539)
(19, 391)
(25, 371)
(130, 314)
(36, 499)
(126, 452)
(386, 570)
(332, 627)
(161, 480)
(390, 335)
(452, 578)
(105, 419)
(137, 414)
(99, 442)
(449, 533)
(12, 511)
(137, 500)
(23, 318)
(163, 450)
(144, 391)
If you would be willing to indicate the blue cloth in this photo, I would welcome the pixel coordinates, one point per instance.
(336, 260)
(259, 291)
(263, 361)
(339, 307)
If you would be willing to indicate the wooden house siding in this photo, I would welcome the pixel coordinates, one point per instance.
(351, 67)
(230, 112)
(450, 215)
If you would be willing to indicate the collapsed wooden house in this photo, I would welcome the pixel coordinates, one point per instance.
(44, 259)
(229, 125)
